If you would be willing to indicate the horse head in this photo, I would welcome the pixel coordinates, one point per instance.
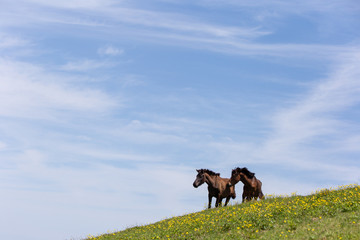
(235, 176)
(240, 174)
(200, 178)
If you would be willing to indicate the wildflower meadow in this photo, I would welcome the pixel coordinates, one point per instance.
(325, 214)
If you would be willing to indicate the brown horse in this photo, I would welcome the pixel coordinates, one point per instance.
(217, 186)
(252, 185)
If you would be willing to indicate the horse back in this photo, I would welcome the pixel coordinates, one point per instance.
(226, 190)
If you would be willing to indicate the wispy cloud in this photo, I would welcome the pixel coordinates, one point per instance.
(76, 4)
(309, 134)
(87, 64)
(65, 192)
(28, 90)
(110, 50)
(172, 28)
(145, 21)
(252, 49)
(2, 145)
(8, 41)
(179, 23)
(297, 6)
(318, 113)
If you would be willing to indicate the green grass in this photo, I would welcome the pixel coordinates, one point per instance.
(326, 214)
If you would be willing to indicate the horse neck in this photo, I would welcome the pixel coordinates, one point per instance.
(210, 180)
(246, 180)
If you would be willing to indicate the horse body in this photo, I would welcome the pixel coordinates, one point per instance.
(252, 185)
(217, 186)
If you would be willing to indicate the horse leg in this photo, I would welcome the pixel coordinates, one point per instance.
(218, 202)
(243, 197)
(261, 195)
(227, 200)
(210, 198)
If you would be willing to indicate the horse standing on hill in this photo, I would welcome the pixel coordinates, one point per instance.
(252, 185)
(218, 187)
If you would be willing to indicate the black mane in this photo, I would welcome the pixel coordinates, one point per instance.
(211, 173)
(244, 171)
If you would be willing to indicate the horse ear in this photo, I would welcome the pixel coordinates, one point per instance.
(198, 170)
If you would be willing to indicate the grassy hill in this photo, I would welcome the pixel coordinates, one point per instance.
(326, 214)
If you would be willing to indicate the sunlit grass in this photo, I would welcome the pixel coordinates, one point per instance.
(325, 214)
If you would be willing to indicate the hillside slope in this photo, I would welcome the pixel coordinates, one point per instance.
(326, 214)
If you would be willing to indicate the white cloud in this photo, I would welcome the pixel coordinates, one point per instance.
(312, 116)
(351, 144)
(297, 7)
(85, 65)
(7, 41)
(146, 22)
(176, 29)
(76, 4)
(151, 192)
(29, 91)
(2, 146)
(307, 135)
(110, 50)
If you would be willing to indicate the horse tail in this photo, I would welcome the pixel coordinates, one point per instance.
(261, 195)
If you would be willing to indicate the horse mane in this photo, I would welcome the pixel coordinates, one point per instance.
(245, 171)
(211, 173)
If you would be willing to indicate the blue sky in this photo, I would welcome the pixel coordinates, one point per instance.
(108, 107)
